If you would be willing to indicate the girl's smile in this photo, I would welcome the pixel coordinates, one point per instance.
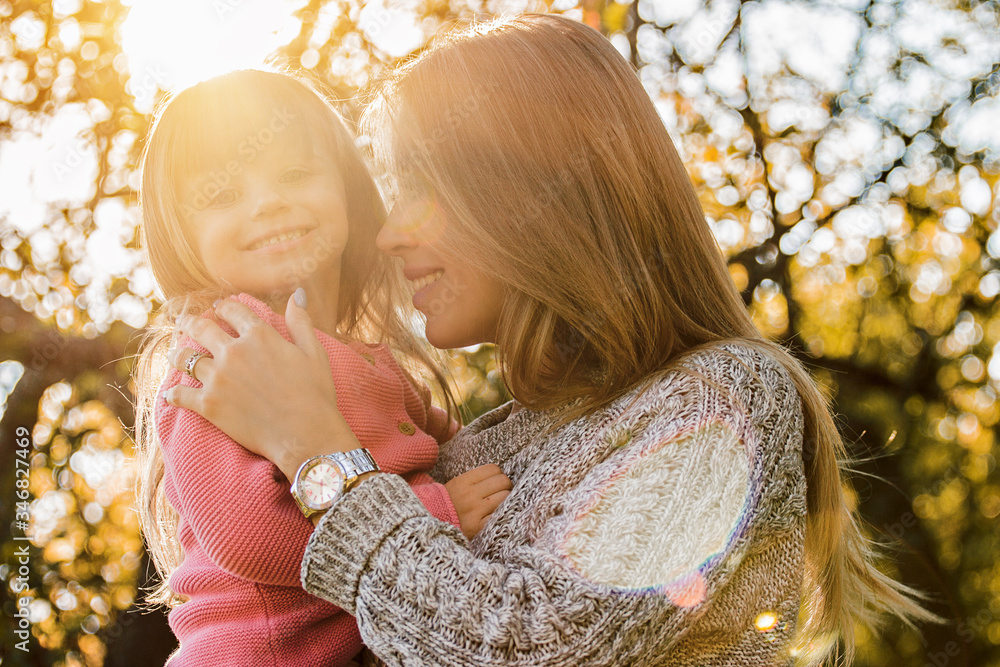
(280, 241)
(278, 224)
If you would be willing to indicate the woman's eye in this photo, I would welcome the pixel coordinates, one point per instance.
(223, 198)
(295, 175)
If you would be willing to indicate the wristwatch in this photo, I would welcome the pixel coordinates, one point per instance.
(322, 480)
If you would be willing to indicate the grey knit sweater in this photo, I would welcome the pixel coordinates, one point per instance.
(667, 529)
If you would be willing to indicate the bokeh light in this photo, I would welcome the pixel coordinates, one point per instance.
(846, 155)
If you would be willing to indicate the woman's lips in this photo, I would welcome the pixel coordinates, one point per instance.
(423, 285)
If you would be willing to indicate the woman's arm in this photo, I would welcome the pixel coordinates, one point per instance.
(228, 487)
(617, 577)
(239, 505)
(421, 597)
(274, 397)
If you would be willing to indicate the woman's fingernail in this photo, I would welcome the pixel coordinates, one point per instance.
(300, 297)
(215, 304)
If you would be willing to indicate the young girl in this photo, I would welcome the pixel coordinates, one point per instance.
(677, 497)
(251, 185)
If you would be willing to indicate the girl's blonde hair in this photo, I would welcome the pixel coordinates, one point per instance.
(217, 127)
(556, 175)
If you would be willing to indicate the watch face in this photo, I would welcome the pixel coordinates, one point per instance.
(320, 484)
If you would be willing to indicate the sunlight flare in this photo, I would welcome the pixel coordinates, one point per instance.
(173, 44)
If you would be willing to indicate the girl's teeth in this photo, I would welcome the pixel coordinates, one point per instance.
(279, 239)
(421, 283)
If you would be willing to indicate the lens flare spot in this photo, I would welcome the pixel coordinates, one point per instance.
(689, 591)
(766, 621)
(421, 219)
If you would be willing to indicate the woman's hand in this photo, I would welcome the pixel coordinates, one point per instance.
(476, 494)
(274, 397)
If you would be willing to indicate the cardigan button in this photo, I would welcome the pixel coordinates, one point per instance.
(406, 428)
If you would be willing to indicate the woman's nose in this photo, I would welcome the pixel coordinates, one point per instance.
(410, 225)
(394, 237)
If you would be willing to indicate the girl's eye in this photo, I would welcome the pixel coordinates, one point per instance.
(294, 175)
(222, 198)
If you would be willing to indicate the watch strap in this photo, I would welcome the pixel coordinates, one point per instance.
(355, 463)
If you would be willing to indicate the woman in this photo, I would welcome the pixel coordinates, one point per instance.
(676, 494)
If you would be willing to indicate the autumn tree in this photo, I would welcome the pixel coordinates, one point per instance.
(846, 156)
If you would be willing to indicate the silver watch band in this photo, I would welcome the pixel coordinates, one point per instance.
(355, 463)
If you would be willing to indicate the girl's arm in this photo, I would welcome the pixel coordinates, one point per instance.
(240, 506)
(237, 504)
(434, 497)
(440, 426)
(698, 517)
(436, 423)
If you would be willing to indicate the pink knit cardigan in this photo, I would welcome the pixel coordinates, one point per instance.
(244, 537)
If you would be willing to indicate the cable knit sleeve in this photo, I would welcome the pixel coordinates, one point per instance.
(672, 524)
(265, 539)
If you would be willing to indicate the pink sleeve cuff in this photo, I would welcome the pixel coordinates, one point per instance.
(437, 501)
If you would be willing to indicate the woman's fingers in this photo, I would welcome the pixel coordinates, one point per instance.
(239, 317)
(184, 397)
(206, 332)
(179, 358)
(300, 327)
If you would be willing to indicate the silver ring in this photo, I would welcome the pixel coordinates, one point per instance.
(191, 361)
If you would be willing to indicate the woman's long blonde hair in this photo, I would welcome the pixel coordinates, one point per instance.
(556, 175)
(201, 130)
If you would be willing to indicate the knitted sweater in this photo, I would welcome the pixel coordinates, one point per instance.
(243, 535)
(666, 529)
